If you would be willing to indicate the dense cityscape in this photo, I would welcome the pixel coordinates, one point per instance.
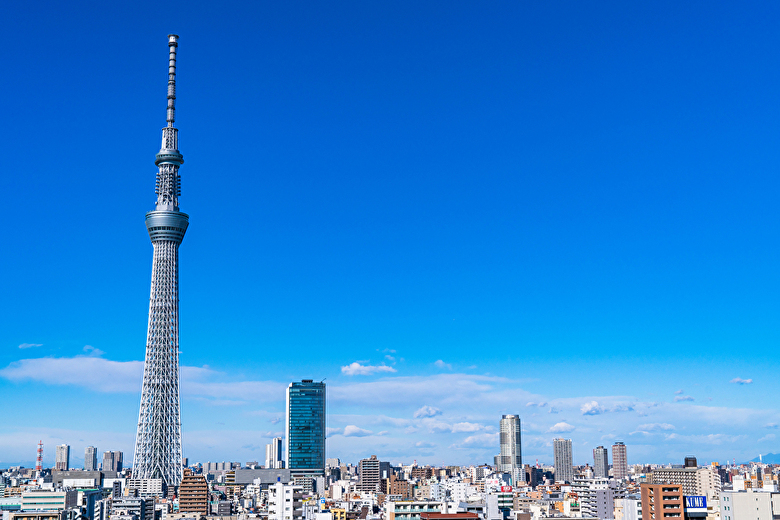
(298, 480)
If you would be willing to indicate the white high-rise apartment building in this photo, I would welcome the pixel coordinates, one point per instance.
(273, 454)
(90, 458)
(619, 461)
(564, 467)
(600, 462)
(511, 457)
(62, 461)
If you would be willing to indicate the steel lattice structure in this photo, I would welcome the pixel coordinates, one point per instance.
(158, 450)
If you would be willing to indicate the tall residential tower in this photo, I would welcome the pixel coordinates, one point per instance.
(564, 468)
(619, 461)
(600, 462)
(511, 457)
(158, 451)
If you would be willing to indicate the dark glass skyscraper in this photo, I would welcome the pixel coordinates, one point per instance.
(305, 453)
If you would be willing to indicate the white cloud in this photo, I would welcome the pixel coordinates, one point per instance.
(767, 437)
(561, 427)
(441, 364)
(107, 376)
(740, 381)
(356, 369)
(354, 431)
(30, 345)
(592, 408)
(427, 411)
(678, 392)
(681, 398)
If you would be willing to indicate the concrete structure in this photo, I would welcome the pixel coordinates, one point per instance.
(140, 508)
(749, 505)
(193, 494)
(285, 502)
(90, 459)
(148, 487)
(48, 499)
(158, 450)
(511, 454)
(260, 477)
(562, 455)
(629, 508)
(661, 501)
(600, 462)
(412, 509)
(62, 461)
(112, 461)
(619, 461)
(273, 454)
(596, 496)
(372, 472)
(305, 428)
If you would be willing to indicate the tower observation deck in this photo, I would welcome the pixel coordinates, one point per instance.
(158, 448)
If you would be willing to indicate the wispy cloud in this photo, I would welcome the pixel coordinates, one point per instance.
(356, 369)
(654, 427)
(681, 398)
(92, 351)
(441, 364)
(740, 381)
(30, 345)
(427, 411)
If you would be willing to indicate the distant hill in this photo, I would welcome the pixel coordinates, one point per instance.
(769, 458)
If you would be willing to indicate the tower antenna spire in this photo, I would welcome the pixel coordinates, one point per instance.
(173, 43)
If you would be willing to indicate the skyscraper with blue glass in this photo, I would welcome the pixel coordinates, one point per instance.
(305, 428)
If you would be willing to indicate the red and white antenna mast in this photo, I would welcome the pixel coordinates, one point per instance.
(39, 460)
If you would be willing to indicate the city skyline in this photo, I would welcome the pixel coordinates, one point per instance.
(449, 214)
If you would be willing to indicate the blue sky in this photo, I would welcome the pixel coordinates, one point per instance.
(449, 210)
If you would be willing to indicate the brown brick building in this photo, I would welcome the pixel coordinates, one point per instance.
(662, 501)
(193, 494)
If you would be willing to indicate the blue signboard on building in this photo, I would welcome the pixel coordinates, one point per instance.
(695, 502)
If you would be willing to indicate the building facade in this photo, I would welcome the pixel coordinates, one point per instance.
(511, 455)
(562, 455)
(90, 458)
(273, 454)
(112, 461)
(372, 472)
(305, 428)
(661, 501)
(193, 494)
(600, 462)
(62, 460)
(619, 461)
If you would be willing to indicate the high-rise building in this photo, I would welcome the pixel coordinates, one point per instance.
(619, 461)
(305, 428)
(511, 458)
(62, 462)
(600, 462)
(158, 450)
(564, 468)
(273, 454)
(112, 461)
(90, 458)
(372, 472)
(193, 494)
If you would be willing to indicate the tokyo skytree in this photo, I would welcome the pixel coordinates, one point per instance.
(158, 451)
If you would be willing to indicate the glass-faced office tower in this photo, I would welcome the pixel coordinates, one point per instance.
(305, 425)
(158, 451)
(511, 457)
